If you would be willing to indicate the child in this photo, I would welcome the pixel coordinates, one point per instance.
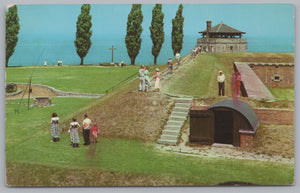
(94, 132)
(74, 126)
(55, 127)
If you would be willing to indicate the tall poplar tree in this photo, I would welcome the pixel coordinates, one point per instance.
(157, 30)
(177, 30)
(12, 31)
(83, 33)
(134, 30)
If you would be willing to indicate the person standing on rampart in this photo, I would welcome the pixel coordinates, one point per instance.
(177, 56)
(87, 125)
(142, 78)
(55, 127)
(74, 126)
(221, 83)
(170, 65)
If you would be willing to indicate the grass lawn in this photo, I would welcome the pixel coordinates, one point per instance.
(138, 159)
(32, 160)
(82, 79)
(199, 78)
(36, 121)
(283, 93)
(28, 143)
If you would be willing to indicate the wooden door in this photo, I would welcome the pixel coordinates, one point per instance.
(223, 126)
(202, 126)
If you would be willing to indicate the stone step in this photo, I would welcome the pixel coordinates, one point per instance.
(184, 100)
(185, 105)
(172, 127)
(181, 109)
(169, 137)
(175, 123)
(177, 118)
(167, 142)
(182, 114)
(171, 132)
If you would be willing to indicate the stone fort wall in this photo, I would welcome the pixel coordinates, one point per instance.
(220, 45)
(275, 75)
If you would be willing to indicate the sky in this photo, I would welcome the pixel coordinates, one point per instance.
(257, 20)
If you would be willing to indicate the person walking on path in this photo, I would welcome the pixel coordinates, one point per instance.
(177, 56)
(221, 82)
(147, 79)
(238, 79)
(233, 86)
(157, 80)
(194, 52)
(95, 132)
(74, 126)
(87, 125)
(170, 65)
(55, 127)
(142, 78)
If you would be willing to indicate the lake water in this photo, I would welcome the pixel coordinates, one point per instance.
(34, 50)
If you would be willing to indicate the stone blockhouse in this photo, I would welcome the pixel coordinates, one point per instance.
(275, 75)
(221, 38)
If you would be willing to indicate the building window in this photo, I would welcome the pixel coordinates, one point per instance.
(276, 78)
(276, 66)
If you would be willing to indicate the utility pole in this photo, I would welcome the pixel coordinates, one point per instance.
(29, 91)
(112, 53)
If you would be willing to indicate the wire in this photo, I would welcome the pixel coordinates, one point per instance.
(29, 84)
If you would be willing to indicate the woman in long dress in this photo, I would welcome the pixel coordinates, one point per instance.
(55, 127)
(157, 80)
(74, 126)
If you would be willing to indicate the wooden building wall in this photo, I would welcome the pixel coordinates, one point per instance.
(204, 123)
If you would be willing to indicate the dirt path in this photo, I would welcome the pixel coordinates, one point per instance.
(220, 150)
(36, 92)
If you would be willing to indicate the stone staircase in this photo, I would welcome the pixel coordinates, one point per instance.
(176, 120)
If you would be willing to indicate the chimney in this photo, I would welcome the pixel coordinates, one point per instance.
(208, 28)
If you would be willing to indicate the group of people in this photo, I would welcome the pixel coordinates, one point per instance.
(194, 52)
(170, 63)
(145, 82)
(73, 130)
(59, 62)
(236, 79)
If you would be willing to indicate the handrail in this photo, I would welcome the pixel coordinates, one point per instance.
(113, 87)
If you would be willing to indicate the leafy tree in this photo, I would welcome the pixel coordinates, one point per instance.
(134, 30)
(12, 31)
(177, 30)
(83, 33)
(157, 30)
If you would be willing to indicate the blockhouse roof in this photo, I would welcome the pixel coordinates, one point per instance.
(223, 28)
(241, 107)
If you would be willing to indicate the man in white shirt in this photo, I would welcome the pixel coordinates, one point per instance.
(142, 78)
(177, 56)
(87, 125)
(221, 82)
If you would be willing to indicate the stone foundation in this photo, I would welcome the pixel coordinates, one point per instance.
(42, 101)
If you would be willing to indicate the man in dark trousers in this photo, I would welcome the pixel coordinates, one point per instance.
(221, 82)
(87, 125)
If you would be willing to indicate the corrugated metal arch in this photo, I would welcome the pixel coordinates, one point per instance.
(241, 107)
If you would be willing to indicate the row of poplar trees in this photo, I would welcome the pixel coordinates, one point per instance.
(134, 30)
(133, 37)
